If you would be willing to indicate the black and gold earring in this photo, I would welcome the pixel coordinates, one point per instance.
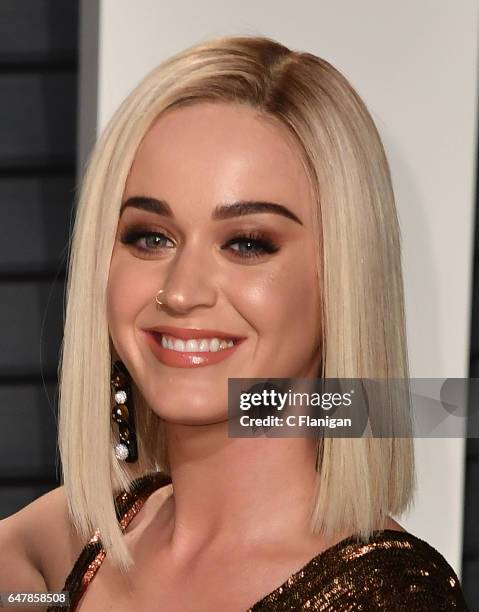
(123, 413)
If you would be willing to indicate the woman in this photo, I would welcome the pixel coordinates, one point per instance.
(236, 220)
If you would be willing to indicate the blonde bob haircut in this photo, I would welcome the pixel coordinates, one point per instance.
(360, 481)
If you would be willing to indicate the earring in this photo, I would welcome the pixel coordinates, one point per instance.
(123, 414)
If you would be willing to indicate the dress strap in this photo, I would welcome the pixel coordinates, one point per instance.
(127, 505)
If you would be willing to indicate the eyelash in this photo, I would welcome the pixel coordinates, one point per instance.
(265, 244)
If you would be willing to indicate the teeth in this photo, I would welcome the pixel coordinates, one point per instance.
(191, 346)
(203, 345)
(179, 345)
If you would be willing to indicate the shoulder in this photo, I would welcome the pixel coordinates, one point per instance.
(400, 570)
(38, 542)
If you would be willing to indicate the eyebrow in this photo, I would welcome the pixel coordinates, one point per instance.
(221, 212)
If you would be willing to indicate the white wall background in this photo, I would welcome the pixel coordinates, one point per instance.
(415, 65)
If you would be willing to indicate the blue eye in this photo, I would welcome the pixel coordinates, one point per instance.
(152, 241)
(256, 243)
(250, 244)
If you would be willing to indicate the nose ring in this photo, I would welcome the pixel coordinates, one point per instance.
(157, 300)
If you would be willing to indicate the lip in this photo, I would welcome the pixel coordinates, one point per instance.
(182, 359)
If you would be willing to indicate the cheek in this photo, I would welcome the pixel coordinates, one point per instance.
(283, 303)
(130, 288)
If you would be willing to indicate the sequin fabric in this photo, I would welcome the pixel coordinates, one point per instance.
(395, 571)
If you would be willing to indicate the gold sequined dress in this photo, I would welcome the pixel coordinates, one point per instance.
(394, 571)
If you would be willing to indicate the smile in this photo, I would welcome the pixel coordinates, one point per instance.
(192, 352)
(193, 345)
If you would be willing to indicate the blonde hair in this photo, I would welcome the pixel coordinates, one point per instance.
(360, 481)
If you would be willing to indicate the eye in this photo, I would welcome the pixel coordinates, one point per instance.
(247, 245)
(256, 244)
(144, 240)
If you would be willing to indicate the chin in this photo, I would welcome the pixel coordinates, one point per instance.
(187, 418)
(182, 410)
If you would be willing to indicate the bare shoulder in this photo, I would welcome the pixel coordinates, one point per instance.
(38, 543)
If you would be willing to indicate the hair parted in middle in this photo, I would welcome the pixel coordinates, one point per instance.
(362, 322)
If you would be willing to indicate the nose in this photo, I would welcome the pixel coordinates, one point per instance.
(190, 282)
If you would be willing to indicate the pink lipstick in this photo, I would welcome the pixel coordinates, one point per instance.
(195, 358)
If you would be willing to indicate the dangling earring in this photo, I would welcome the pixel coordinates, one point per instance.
(123, 414)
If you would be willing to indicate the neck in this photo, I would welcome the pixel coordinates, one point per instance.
(261, 488)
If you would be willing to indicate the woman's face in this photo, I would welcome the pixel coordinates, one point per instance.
(250, 276)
